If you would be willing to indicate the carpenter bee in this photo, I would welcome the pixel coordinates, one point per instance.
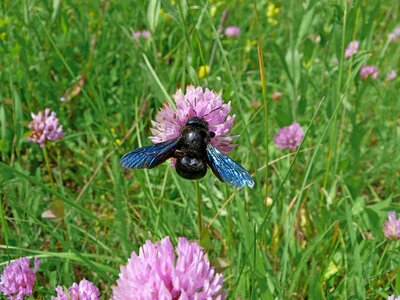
(193, 152)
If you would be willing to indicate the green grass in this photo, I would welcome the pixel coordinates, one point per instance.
(311, 242)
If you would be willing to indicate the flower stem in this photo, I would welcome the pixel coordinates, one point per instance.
(57, 206)
(4, 225)
(219, 31)
(264, 93)
(198, 203)
(333, 142)
(46, 159)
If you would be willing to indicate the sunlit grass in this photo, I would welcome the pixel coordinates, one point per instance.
(311, 228)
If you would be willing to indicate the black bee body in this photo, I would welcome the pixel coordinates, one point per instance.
(194, 153)
(191, 152)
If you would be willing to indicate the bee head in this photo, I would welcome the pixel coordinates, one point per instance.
(197, 122)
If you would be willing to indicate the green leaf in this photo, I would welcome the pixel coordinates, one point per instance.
(205, 239)
(220, 263)
(56, 6)
(153, 13)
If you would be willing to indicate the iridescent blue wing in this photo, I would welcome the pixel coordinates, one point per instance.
(227, 170)
(149, 156)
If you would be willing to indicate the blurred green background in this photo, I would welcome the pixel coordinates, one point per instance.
(313, 232)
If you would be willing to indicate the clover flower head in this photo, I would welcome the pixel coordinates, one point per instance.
(255, 104)
(232, 31)
(394, 35)
(289, 137)
(18, 279)
(196, 102)
(369, 71)
(352, 48)
(45, 126)
(146, 34)
(391, 230)
(276, 96)
(391, 75)
(136, 35)
(392, 297)
(85, 290)
(160, 273)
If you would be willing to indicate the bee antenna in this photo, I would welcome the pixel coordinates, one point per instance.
(212, 111)
(195, 104)
(192, 105)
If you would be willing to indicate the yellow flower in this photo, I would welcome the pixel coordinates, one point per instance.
(273, 21)
(250, 45)
(3, 23)
(213, 10)
(203, 71)
(165, 14)
(272, 10)
(117, 142)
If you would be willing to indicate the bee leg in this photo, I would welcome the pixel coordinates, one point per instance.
(178, 153)
(211, 134)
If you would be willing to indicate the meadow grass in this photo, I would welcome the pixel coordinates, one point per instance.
(311, 227)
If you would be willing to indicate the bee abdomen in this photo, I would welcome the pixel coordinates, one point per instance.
(190, 167)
